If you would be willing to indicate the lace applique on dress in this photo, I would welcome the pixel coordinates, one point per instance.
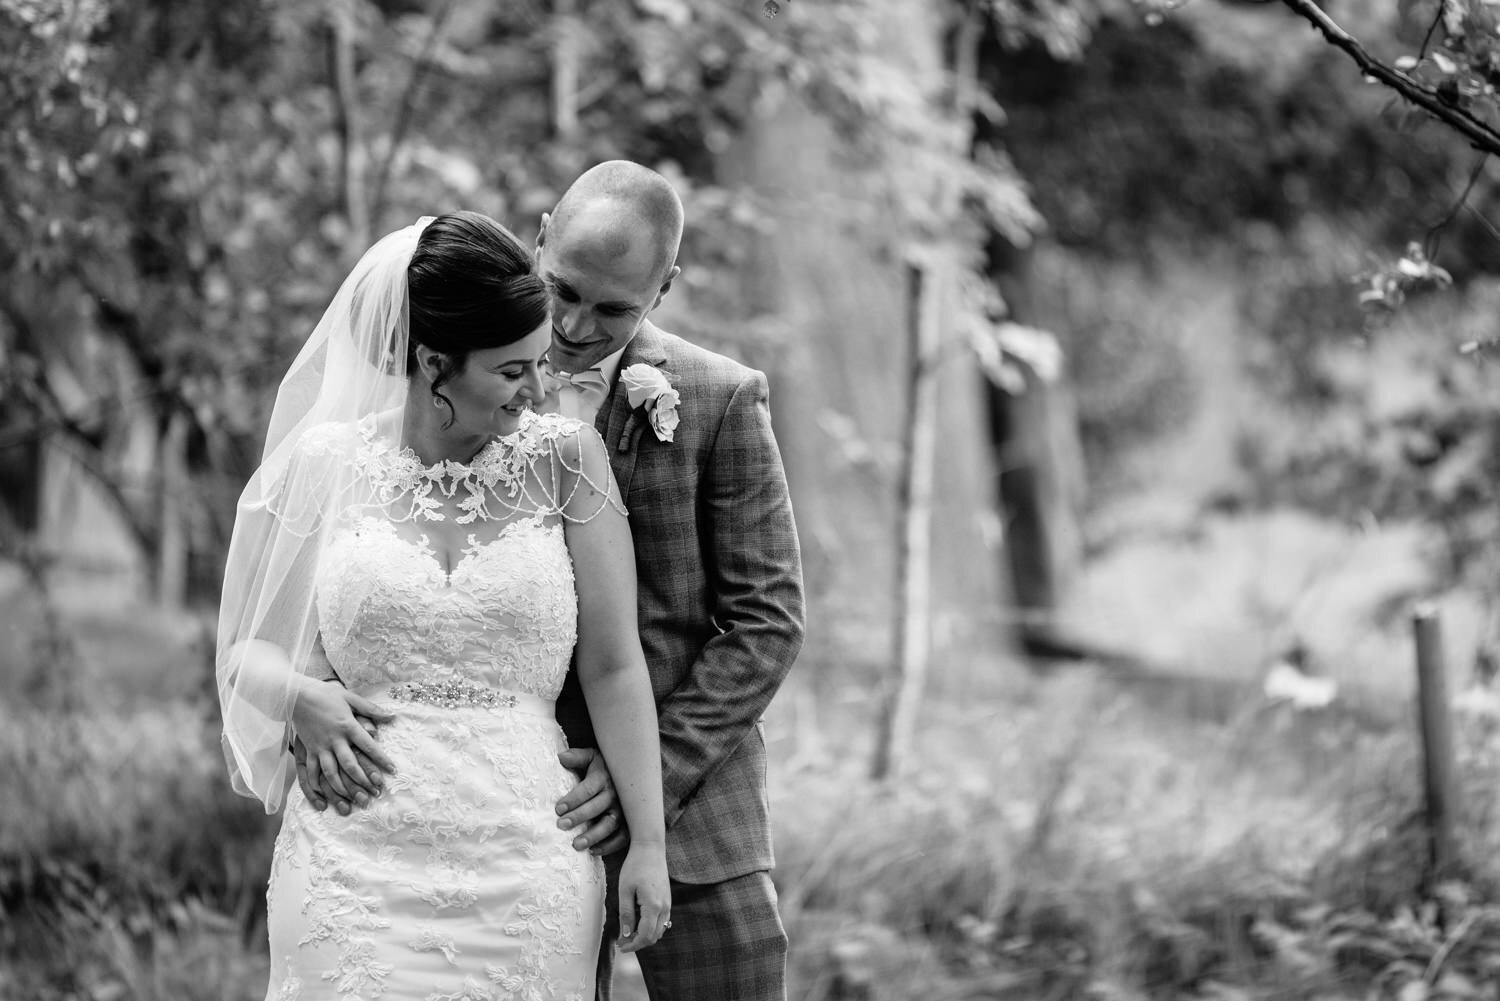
(351, 471)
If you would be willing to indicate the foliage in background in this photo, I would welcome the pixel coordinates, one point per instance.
(1159, 132)
(184, 186)
(1178, 135)
(190, 183)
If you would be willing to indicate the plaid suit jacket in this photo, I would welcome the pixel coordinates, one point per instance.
(720, 596)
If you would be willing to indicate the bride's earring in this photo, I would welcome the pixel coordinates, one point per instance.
(437, 401)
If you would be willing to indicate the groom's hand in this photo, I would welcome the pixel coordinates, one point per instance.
(339, 791)
(591, 807)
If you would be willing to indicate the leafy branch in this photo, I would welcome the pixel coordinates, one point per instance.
(1443, 101)
(1466, 68)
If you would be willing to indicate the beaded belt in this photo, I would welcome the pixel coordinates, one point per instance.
(466, 695)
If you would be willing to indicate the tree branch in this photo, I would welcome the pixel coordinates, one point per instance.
(81, 446)
(129, 332)
(347, 119)
(1479, 133)
(1434, 238)
(1437, 19)
(408, 102)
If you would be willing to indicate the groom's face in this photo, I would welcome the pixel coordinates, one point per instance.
(604, 278)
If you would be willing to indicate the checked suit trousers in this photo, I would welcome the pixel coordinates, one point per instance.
(726, 942)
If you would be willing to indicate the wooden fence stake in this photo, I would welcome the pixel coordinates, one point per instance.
(898, 719)
(1437, 739)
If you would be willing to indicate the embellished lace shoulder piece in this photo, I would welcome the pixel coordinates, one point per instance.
(320, 464)
(551, 466)
(577, 472)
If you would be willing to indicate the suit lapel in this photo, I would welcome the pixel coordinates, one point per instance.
(619, 425)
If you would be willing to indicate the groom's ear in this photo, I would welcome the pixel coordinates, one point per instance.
(666, 285)
(541, 234)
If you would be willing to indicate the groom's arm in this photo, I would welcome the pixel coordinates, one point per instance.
(755, 569)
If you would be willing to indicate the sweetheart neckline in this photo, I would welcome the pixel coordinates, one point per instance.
(425, 548)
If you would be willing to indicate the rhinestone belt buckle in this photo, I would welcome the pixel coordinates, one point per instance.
(452, 695)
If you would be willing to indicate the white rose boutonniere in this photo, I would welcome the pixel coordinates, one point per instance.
(646, 386)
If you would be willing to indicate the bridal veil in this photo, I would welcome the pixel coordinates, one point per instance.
(353, 367)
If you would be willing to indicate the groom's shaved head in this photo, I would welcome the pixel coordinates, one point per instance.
(626, 203)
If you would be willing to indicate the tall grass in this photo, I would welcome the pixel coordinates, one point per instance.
(1093, 844)
(127, 867)
(1080, 837)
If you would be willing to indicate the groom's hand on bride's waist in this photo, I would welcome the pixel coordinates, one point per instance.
(320, 789)
(591, 807)
(348, 780)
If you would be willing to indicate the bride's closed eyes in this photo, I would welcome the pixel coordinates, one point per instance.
(519, 370)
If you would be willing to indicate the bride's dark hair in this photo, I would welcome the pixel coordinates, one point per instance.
(471, 285)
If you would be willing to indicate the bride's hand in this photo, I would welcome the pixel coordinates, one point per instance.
(645, 896)
(324, 720)
(319, 793)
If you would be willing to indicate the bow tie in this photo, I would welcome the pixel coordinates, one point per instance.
(590, 387)
(588, 382)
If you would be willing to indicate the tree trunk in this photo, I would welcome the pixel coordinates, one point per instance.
(172, 539)
(348, 121)
(836, 361)
(565, 57)
(914, 549)
(1040, 486)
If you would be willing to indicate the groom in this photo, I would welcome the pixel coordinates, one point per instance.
(720, 580)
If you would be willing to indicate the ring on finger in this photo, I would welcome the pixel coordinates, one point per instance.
(665, 925)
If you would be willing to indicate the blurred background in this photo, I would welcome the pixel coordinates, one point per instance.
(1115, 500)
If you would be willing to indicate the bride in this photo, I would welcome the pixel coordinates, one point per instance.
(411, 569)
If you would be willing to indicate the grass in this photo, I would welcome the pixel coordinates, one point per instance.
(1073, 835)
(1150, 861)
(127, 868)
(1078, 842)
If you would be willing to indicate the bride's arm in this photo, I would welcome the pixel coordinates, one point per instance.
(323, 716)
(616, 687)
(270, 665)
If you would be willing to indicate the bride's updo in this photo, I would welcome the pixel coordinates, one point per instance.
(470, 286)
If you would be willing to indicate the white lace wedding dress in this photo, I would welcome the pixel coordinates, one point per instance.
(456, 882)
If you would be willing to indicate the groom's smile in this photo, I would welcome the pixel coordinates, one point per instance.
(592, 315)
(606, 269)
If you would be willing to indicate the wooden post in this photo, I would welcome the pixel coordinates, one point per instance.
(914, 549)
(1437, 739)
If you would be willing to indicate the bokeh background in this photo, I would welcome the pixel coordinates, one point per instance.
(1141, 528)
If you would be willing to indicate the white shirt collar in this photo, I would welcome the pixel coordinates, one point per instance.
(610, 364)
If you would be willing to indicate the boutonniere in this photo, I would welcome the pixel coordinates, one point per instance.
(646, 386)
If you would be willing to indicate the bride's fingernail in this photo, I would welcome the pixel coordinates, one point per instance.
(565, 824)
